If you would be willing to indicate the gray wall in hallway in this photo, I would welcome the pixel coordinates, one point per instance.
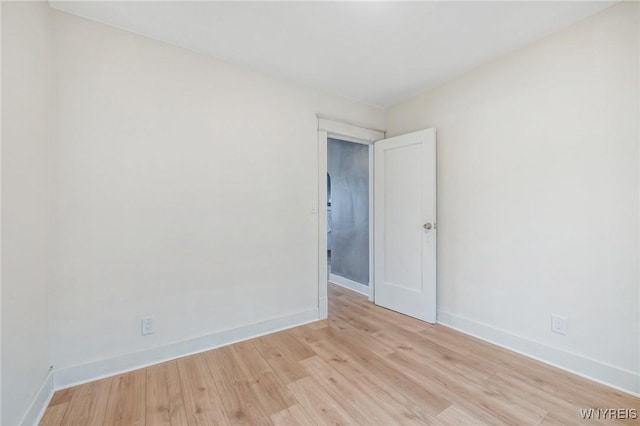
(348, 166)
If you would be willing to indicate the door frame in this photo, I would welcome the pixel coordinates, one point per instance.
(342, 130)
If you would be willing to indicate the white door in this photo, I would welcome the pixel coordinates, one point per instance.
(405, 224)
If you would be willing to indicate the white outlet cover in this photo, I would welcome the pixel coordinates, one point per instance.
(147, 326)
(558, 324)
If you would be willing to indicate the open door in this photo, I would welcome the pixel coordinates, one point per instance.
(405, 224)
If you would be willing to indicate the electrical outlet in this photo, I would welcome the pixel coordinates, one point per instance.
(558, 324)
(147, 326)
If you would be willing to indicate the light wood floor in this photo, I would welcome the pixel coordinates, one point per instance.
(365, 365)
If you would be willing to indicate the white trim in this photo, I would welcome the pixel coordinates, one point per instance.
(84, 373)
(349, 284)
(1, 209)
(370, 288)
(603, 373)
(348, 130)
(323, 301)
(638, 257)
(40, 402)
(323, 312)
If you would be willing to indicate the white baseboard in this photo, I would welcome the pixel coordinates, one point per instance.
(40, 402)
(83, 373)
(606, 374)
(347, 283)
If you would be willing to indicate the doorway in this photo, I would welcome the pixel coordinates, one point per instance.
(403, 219)
(348, 215)
(337, 130)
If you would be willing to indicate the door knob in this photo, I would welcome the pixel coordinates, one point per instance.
(427, 226)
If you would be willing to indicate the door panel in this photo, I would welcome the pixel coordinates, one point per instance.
(405, 200)
(402, 245)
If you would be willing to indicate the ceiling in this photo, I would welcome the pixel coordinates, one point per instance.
(379, 53)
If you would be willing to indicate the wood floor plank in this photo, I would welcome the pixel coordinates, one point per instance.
(489, 408)
(563, 385)
(321, 408)
(203, 404)
(363, 357)
(561, 419)
(359, 335)
(402, 340)
(306, 333)
(448, 364)
(371, 310)
(455, 415)
(54, 414)
(363, 365)
(555, 407)
(291, 347)
(292, 416)
(319, 324)
(361, 404)
(420, 402)
(88, 404)
(286, 369)
(249, 360)
(238, 400)
(338, 291)
(164, 399)
(126, 406)
(348, 314)
(270, 392)
(61, 396)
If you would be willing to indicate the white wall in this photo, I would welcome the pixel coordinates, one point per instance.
(184, 189)
(538, 196)
(25, 204)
